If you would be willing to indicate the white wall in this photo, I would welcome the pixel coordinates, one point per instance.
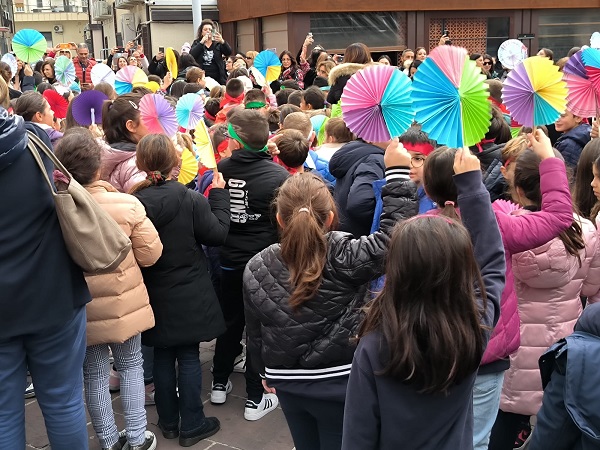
(72, 23)
(170, 35)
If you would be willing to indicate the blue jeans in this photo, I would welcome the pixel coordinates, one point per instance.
(55, 360)
(486, 401)
(188, 406)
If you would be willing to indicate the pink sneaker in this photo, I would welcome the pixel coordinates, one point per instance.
(114, 382)
(150, 395)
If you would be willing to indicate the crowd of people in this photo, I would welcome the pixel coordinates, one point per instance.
(386, 295)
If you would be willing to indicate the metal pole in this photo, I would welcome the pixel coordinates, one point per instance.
(196, 14)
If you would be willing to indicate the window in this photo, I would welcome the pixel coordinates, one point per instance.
(562, 29)
(476, 34)
(375, 29)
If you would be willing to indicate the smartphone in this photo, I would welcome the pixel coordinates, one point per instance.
(309, 35)
(64, 46)
(161, 49)
(121, 49)
(447, 33)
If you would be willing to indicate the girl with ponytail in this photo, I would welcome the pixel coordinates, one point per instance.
(520, 232)
(303, 299)
(185, 305)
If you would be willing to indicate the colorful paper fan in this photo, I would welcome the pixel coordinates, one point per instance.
(87, 107)
(128, 77)
(534, 92)
(595, 40)
(376, 103)
(64, 70)
(204, 148)
(591, 60)
(10, 59)
(450, 98)
(171, 61)
(511, 53)
(268, 65)
(57, 103)
(153, 86)
(101, 73)
(29, 45)
(158, 115)
(258, 77)
(582, 98)
(189, 111)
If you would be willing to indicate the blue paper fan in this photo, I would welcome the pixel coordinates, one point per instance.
(189, 110)
(264, 60)
(396, 104)
(440, 119)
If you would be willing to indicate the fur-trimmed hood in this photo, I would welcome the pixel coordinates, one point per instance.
(346, 69)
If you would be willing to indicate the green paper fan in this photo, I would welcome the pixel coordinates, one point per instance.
(475, 106)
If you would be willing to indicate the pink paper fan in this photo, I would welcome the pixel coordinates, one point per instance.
(582, 99)
(451, 61)
(158, 115)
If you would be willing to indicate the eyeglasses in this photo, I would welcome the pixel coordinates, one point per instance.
(249, 57)
(417, 161)
(487, 63)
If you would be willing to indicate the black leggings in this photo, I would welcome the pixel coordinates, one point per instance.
(506, 429)
(314, 424)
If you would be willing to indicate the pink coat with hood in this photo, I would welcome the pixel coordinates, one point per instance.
(118, 165)
(548, 283)
(522, 232)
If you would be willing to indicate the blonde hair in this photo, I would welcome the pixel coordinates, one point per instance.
(4, 94)
(513, 149)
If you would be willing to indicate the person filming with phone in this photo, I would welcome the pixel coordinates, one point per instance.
(208, 49)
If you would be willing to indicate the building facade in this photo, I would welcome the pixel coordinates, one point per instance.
(396, 24)
(7, 27)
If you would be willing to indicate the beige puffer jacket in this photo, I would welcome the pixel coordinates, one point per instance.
(120, 307)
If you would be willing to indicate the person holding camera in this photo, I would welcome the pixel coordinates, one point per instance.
(208, 49)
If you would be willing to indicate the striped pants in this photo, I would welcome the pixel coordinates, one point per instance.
(96, 369)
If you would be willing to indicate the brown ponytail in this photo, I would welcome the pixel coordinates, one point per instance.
(304, 206)
(438, 181)
(156, 156)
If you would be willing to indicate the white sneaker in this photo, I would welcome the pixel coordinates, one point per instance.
(218, 393)
(252, 411)
(239, 364)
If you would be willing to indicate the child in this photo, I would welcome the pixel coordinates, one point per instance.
(234, 96)
(181, 294)
(252, 179)
(303, 300)
(121, 290)
(336, 135)
(312, 99)
(256, 99)
(520, 232)
(575, 134)
(424, 335)
(293, 151)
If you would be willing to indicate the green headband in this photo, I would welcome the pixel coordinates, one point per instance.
(255, 105)
(235, 136)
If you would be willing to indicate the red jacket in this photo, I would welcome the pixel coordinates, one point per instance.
(87, 78)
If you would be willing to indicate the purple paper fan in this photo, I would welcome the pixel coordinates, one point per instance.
(87, 107)
(575, 66)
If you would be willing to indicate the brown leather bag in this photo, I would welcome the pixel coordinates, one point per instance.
(94, 240)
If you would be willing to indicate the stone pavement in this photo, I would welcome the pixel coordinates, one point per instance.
(269, 433)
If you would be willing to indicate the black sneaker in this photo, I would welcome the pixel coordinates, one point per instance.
(210, 426)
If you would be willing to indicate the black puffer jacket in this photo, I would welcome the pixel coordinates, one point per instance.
(318, 334)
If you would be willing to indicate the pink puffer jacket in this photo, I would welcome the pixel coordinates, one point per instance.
(548, 283)
(522, 232)
(118, 166)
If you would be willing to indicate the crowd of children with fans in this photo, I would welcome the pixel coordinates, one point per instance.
(386, 295)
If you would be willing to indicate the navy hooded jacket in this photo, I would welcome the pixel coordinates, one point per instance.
(40, 285)
(356, 166)
(571, 143)
(570, 417)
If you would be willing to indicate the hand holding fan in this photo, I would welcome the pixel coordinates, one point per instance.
(29, 45)
(450, 98)
(268, 64)
(535, 93)
(158, 115)
(376, 103)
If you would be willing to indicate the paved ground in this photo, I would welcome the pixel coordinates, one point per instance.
(269, 433)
